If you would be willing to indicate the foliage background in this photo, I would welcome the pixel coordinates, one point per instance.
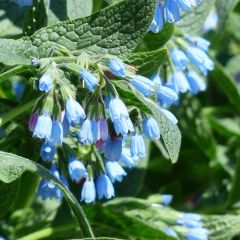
(206, 177)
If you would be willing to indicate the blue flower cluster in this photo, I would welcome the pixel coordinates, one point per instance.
(169, 11)
(102, 126)
(186, 61)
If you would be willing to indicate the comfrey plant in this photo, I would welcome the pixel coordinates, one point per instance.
(99, 122)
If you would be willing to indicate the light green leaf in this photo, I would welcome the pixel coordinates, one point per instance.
(223, 227)
(192, 21)
(13, 52)
(13, 166)
(147, 63)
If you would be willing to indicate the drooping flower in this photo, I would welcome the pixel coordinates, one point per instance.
(184, 5)
(103, 125)
(143, 85)
(45, 82)
(119, 116)
(104, 187)
(126, 158)
(89, 79)
(199, 42)
(115, 171)
(74, 112)
(170, 232)
(137, 146)
(179, 58)
(200, 59)
(86, 135)
(157, 23)
(19, 89)
(88, 193)
(117, 67)
(171, 11)
(179, 82)
(123, 125)
(151, 128)
(197, 234)
(196, 83)
(43, 126)
(47, 151)
(156, 79)
(48, 190)
(112, 148)
(166, 96)
(65, 126)
(76, 169)
(57, 133)
(166, 199)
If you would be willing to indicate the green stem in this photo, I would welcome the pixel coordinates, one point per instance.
(48, 232)
(12, 72)
(16, 112)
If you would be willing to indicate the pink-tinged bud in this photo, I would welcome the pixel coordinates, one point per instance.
(103, 129)
(32, 121)
(99, 143)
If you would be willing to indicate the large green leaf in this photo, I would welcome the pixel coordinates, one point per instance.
(102, 33)
(13, 166)
(79, 8)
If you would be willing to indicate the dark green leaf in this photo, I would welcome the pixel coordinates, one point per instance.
(8, 194)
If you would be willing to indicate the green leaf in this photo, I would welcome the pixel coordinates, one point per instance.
(13, 166)
(15, 52)
(192, 21)
(147, 63)
(227, 85)
(129, 98)
(224, 8)
(223, 227)
(153, 41)
(8, 194)
(101, 33)
(119, 223)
